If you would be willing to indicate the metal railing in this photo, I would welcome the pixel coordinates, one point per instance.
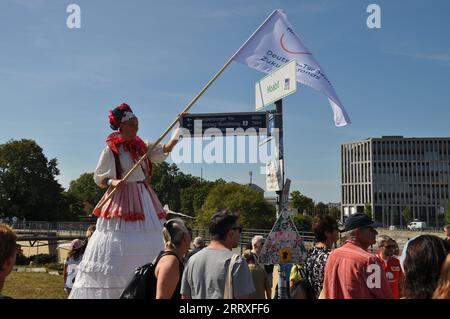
(432, 229)
(248, 234)
(79, 228)
(48, 229)
(50, 226)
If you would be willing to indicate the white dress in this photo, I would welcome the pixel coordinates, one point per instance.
(118, 245)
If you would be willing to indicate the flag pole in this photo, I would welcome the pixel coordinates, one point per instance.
(186, 109)
(243, 45)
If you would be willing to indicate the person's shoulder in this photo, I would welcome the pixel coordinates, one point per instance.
(169, 261)
(394, 261)
(169, 258)
(338, 251)
(351, 251)
(199, 255)
(239, 261)
(107, 151)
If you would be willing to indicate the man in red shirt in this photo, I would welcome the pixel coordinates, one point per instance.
(391, 265)
(351, 272)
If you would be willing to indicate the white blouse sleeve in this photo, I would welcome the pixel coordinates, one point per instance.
(106, 167)
(157, 155)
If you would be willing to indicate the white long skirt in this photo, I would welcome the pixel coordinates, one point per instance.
(115, 249)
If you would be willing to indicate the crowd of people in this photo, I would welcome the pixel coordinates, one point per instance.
(132, 230)
(190, 269)
(352, 272)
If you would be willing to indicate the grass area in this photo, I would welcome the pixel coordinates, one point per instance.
(22, 285)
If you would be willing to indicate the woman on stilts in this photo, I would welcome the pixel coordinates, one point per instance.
(129, 226)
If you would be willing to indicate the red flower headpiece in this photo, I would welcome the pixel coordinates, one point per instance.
(119, 114)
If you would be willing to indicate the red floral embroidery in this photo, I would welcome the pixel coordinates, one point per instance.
(136, 147)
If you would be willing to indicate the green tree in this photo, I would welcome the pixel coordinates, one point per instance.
(84, 194)
(167, 181)
(28, 187)
(74, 208)
(335, 213)
(302, 202)
(193, 197)
(321, 208)
(182, 192)
(302, 222)
(253, 210)
(406, 214)
(368, 209)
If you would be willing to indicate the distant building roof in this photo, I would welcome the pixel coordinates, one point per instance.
(251, 186)
(255, 188)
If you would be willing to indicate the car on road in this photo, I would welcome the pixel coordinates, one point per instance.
(417, 225)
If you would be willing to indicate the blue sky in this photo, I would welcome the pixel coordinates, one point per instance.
(57, 84)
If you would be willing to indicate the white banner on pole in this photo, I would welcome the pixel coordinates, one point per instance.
(274, 180)
(275, 43)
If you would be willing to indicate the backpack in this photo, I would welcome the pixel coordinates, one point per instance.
(297, 273)
(142, 285)
(301, 290)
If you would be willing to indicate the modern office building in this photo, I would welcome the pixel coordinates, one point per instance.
(392, 173)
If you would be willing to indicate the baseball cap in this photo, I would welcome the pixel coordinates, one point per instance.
(76, 243)
(360, 220)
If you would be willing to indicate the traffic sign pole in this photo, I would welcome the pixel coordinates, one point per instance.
(282, 268)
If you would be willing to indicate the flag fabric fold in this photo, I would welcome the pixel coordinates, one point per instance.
(275, 43)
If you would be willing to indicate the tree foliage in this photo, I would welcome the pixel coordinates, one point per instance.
(406, 214)
(335, 213)
(321, 208)
(253, 210)
(28, 187)
(302, 222)
(182, 192)
(85, 194)
(368, 209)
(302, 203)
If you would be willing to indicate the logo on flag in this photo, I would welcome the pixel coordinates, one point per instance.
(284, 48)
(275, 43)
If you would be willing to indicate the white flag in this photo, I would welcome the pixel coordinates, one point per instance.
(275, 43)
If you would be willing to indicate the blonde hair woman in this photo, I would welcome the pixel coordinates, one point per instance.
(169, 270)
